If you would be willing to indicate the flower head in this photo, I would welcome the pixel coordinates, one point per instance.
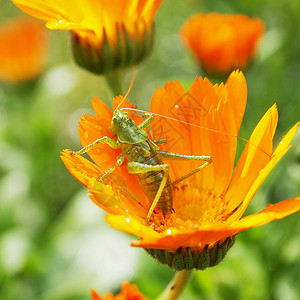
(222, 42)
(105, 34)
(207, 206)
(23, 49)
(128, 292)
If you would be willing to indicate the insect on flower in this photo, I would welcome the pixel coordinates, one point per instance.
(147, 141)
(144, 159)
(208, 206)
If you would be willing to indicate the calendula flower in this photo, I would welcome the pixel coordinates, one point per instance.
(23, 49)
(128, 292)
(208, 206)
(222, 42)
(105, 34)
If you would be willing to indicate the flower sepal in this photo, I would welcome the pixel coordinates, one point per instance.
(189, 258)
(103, 56)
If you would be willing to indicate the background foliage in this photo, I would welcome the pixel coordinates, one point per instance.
(54, 243)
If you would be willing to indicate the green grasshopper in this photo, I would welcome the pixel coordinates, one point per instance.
(144, 159)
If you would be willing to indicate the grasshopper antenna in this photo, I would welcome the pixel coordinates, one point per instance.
(133, 76)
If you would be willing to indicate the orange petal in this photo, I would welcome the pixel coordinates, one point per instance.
(271, 213)
(117, 197)
(236, 87)
(131, 226)
(82, 169)
(92, 128)
(103, 112)
(218, 127)
(256, 155)
(208, 234)
(126, 194)
(131, 292)
(213, 113)
(121, 102)
(52, 12)
(128, 292)
(171, 239)
(165, 104)
(95, 295)
(279, 152)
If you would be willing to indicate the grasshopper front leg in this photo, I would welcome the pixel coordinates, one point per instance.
(146, 122)
(120, 160)
(110, 142)
(104, 140)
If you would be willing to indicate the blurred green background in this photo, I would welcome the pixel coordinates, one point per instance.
(54, 243)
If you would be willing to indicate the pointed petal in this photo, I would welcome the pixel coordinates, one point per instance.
(218, 128)
(203, 235)
(95, 295)
(128, 196)
(81, 169)
(271, 213)
(53, 12)
(132, 226)
(117, 197)
(171, 239)
(279, 152)
(164, 104)
(237, 95)
(256, 155)
(92, 128)
(102, 110)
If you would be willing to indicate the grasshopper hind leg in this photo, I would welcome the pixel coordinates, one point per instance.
(175, 156)
(138, 168)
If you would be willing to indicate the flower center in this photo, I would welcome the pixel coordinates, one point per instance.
(192, 207)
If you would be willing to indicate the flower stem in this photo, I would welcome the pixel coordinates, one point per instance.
(114, 80)
(176, 286)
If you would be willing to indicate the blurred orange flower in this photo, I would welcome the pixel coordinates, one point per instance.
(222, 42)
(128, 292)
(209, 205)
(23, 49)
(106, 34)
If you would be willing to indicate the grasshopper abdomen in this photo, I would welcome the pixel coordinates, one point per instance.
(151, 181)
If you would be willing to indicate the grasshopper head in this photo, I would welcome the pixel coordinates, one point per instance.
(119, 117)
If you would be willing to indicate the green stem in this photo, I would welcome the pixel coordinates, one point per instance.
(115, 80)
(176, 286)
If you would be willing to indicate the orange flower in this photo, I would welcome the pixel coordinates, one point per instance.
(106, 34)
(207, 206)
(23, 50)
(128, 292)
(222, 43)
